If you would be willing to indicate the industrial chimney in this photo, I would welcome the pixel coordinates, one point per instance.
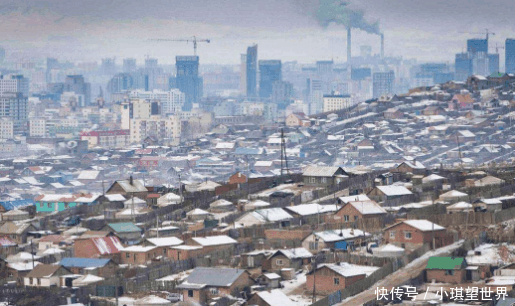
(382, 45)
(349, 46)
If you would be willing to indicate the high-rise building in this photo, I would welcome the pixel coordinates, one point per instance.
(6, 128)
(151, 63)
(477, 45)
(108, 66)
(251, 74)
(480, 64)
(77, 84)
(129, 65)
(382, 83)
(282, 91)
(14, 106)
(314, 96)
(188, 80)
(269, 72)
(462, 66)
(243, 75)
(171, 102)
(119, 83)
(510, 55)
(14, 83)
(493, 63)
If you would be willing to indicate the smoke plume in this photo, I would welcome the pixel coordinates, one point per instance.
(334, 11)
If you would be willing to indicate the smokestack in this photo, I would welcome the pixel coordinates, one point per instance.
(349, 46)
(382, 46)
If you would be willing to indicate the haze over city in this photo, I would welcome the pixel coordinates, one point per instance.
(257, 153)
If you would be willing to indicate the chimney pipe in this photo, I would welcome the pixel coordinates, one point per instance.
(130, 180)
(382, 45)
(349, 46)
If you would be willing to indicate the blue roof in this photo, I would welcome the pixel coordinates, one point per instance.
(247, 151)
(77, 262)
(124, 227)
(10, 205)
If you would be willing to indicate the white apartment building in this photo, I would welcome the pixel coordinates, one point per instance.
(6, 128)
(336, 102)
(14, 83)
(37, 127)
(166, 130)
(171, 102)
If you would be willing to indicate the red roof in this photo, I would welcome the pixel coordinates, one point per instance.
(153, 195)
(463, 98)
(107, 245)
(53, 238)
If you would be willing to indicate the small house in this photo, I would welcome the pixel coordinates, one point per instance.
(323, 176)
(448, 270)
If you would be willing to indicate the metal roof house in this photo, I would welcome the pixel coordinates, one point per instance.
(323, 176)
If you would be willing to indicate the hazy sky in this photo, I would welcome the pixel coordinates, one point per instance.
(284, 29)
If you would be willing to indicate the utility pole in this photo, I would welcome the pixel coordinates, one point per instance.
(180, 188)
(314, 276)
(432, 223)
(459, 148)
(32, 253)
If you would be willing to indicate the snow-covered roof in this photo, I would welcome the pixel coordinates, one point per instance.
(320, 171)
(115, 197)
(432, 177)
(349, 270)
(197, 211)
(340, 235)
(368, 207)
(214, 240)
(165, 241)
(311, 209)
(295, 253)
(359, 197)
(88, 175)
(275, 298)
(271, 214)
(423, 225)
(392, 190)
(453, 194)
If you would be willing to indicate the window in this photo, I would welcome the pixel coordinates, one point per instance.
(190, 293)
(39, 281)
(279, 262)
(355, 218)
(127, 255)
(346, 218)
(407, 235)
(66, 205)
(336, 281)
(10, 275)
(31, 280)
(213, 291)
(41, 204)
(49, 205)
(392, 234)
(313, 245)
(449, 272)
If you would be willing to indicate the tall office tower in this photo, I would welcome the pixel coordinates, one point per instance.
(108, 66)
(462, 66)
(119, 83)
(493, 63)
(2, 55)
(251, 74)
(14, 83)
(477, 45)
(76, 84)
(14, 106)
(282, 91)
(243, 75)
(129, 65)
(151, 63)
(315, 96)
(382, 83)
(188, 80)
(269, 72)
(510, 56)
(480, 64)
(324, 67)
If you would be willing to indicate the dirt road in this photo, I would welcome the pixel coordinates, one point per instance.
(399, 277)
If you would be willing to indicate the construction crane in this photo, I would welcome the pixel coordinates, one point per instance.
(497, 47)
(487, 33)
(193, 39)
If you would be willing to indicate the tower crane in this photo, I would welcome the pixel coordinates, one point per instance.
(193, 39)
(487, 33)
(497, 47)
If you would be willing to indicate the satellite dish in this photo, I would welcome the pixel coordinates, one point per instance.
(71, 144)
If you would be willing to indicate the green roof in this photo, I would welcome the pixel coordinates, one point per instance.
(497, 75)
(445, 263)
(125, 227)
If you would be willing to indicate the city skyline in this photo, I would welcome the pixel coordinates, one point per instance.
(91, 31)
